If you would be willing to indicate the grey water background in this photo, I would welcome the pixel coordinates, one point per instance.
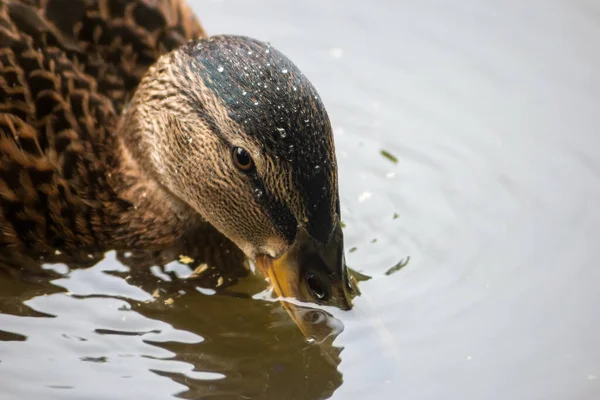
(492, 110)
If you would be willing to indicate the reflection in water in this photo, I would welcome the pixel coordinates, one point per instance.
(112, 324)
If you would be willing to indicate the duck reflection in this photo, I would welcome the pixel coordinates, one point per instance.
(246, 336)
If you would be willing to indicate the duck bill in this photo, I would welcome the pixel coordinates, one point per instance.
(305, 265)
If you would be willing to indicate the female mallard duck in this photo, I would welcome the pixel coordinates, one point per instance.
(123, 126)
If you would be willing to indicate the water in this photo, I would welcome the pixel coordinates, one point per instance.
(491, 110)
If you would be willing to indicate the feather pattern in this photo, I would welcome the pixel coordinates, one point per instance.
(65, 77)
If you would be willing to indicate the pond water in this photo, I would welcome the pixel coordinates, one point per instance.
(491, 110)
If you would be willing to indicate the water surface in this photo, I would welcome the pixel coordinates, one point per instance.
(491, 109)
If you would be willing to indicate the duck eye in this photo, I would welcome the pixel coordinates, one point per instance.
(242, 159)
(317, 288)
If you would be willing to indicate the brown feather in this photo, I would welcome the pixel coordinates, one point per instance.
(64, 79)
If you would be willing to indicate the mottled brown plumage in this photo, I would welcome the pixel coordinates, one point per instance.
(66, 70)
(117, 124)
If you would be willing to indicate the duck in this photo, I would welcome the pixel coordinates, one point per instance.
(124, 125)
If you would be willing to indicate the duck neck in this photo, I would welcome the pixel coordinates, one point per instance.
(151, 217)
(156, 215)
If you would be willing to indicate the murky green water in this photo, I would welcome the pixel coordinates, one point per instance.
(491, 109)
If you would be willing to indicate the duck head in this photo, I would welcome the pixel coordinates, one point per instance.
(232, 128)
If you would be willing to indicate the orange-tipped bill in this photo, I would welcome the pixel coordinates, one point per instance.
(312, 273)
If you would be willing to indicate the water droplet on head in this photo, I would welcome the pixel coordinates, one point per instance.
(282, 133)
(258, 192)
(285, 71)
(220, 68)
(244, 93)
(317, 167)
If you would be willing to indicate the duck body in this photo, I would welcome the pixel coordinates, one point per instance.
(123, 126)
(64, 80)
